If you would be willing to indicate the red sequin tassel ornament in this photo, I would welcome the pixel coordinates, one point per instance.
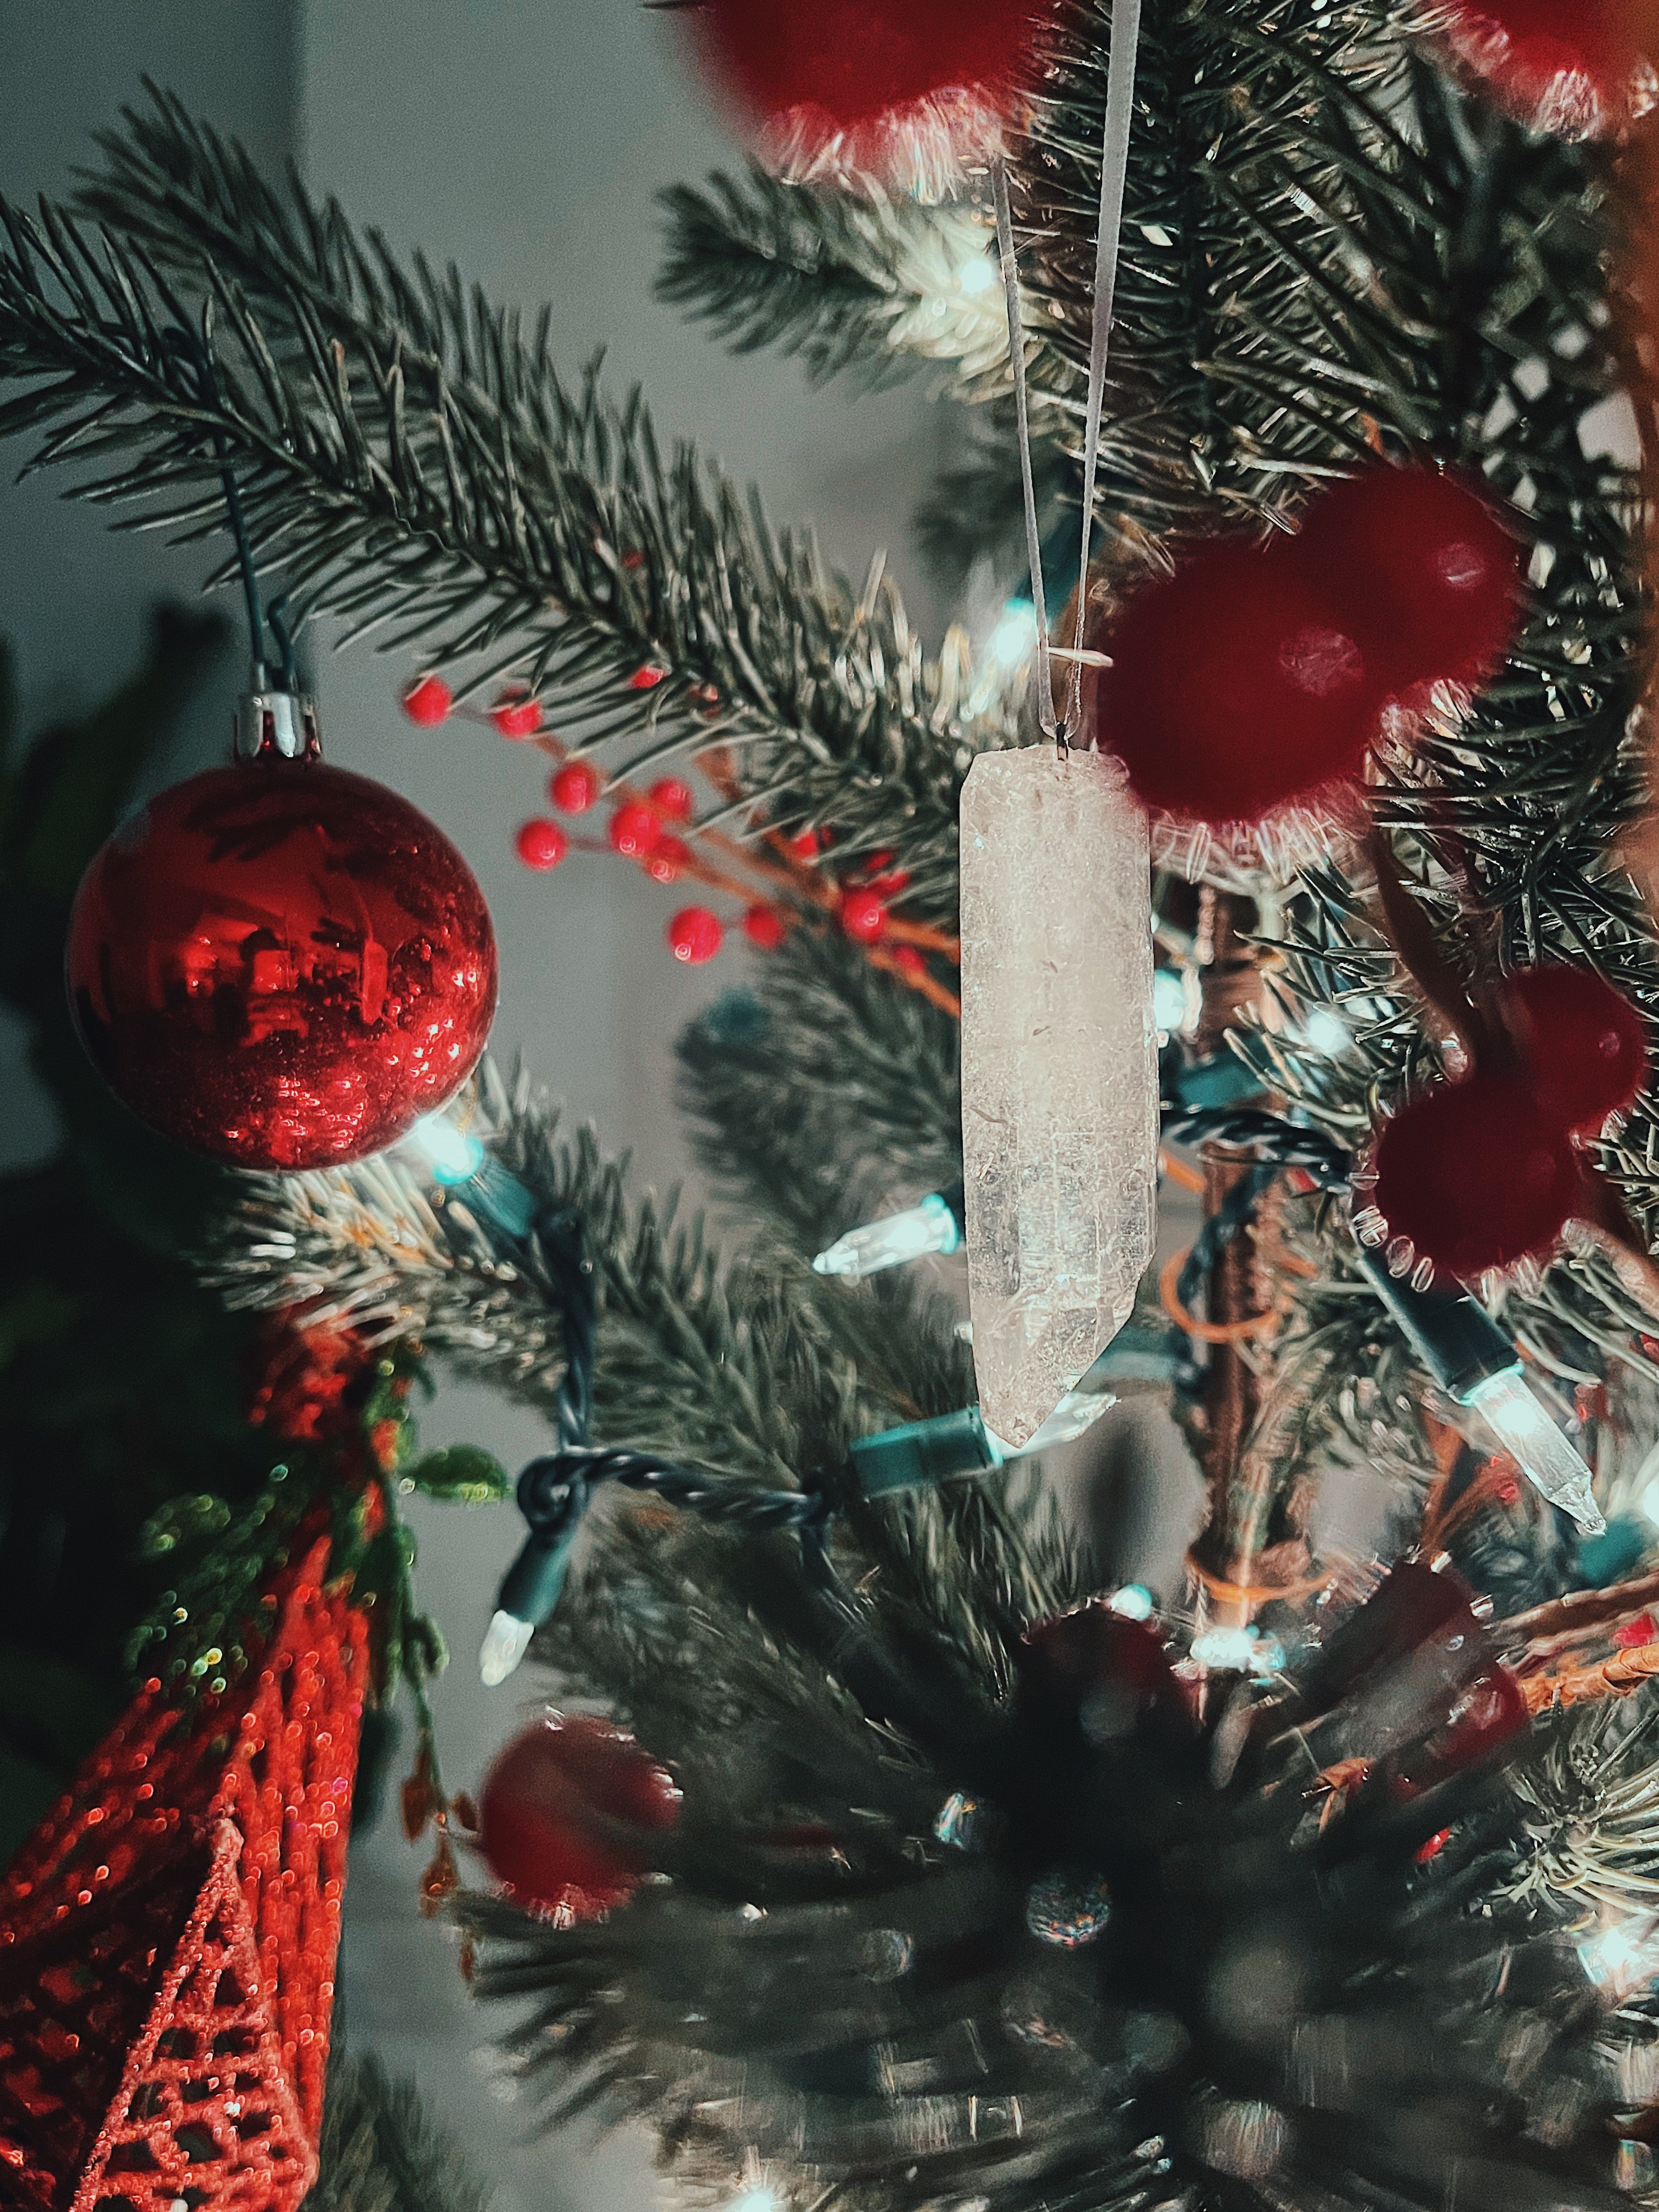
(168, 1935)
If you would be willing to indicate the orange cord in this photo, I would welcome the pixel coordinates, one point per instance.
(1208, 1332)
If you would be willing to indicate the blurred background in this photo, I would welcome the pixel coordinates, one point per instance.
(526, 140)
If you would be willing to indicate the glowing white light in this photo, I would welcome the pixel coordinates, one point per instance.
(1133, 1602)
(758, 2199)
(1621, 1956)
(1229, 1650)
(1327, 1032)
(1538, 1448)
(919, 1229)
(505, 1641)
(1014, 638)
(976, 277)
(1169, 999)
(452, 1155)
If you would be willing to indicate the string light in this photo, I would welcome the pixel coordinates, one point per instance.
(929, 1227)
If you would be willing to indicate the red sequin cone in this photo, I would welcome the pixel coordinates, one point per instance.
(167, 1939)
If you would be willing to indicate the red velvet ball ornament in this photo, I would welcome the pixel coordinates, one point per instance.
(1427, 577)
(633, 830)
(429, 701)
(575, 787)
(1236, 686)
(764, 927)
(543, 1806)
(695, 935)
(673, 797)
(859, 72)
(863, 915)
(1583, 1041)
(541, 844)
(1571, 66)
(282, 965)
(1474, 1176)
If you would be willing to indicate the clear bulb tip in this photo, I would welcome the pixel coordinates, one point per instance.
(505, 1642)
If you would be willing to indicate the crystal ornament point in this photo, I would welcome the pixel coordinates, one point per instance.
(1058, 1071)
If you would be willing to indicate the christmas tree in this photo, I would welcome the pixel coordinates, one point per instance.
(1297, 856)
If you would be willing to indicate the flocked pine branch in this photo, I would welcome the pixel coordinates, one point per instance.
(413, 465)
(864, 284)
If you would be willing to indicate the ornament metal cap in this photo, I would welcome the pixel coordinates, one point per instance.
(271, 720)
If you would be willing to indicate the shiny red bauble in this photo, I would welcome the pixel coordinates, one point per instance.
(1427, 575)
(1474, 1176)
(860, 70)
(1571, 66)
(282, 965)
(541, 844)
(546, 1811)
(695, 935)
(1237, 685)
(575, 787)
(1586, 1053)
(428, 702)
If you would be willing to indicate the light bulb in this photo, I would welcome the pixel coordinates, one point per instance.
(919, 1229)
(452, 1155)
(976, 277)
(1535, 1444)
(1133, 1602)
(505, 1642)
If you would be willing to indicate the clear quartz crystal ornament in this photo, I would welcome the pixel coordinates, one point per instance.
(1058, 1071)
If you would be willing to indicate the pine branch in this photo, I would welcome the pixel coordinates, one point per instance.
(413, 466)
(868, 286)
(380, 2151)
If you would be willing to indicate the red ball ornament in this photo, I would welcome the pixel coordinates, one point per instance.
(633, 830)
(863, 915)
(1586, 1052)
(1236, 686)
(672, 797)
(695, 935)
(575, 787)
(1574, 67)
(764, 927)
(1426, 577)
(429, 701)
(891, 88)
(545, 1805)
(541, 844)
(282, 965)
(516, 717)
(1474, 1176)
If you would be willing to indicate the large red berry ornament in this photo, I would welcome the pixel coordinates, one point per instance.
(1586, 1053)
(1575, 67)
(1237, 685)
(551, 1807)
(891, 87)
(281, 964)
(1427, 577)
(1474, 1176)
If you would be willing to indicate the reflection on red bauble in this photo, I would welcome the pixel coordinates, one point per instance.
(282, 965)
(546, 1804)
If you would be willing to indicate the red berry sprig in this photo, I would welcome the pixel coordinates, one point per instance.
(695, 935)
(428, 702)
(541, 844)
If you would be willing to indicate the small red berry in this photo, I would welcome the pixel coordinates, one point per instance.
(810, 844)
(764, 926)
(908, 961)
(1631, 1635)
(863, 916)
(1583, 1042)
(633, 558)
(673, 797)
(517, 717)
(666, 858)
(645, 678)
(427, 703)
(891, 882)
(695, 935)
(542, 844)
(1474, 1176)
(575, 787)
(1435, 1846)
(633, 830)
